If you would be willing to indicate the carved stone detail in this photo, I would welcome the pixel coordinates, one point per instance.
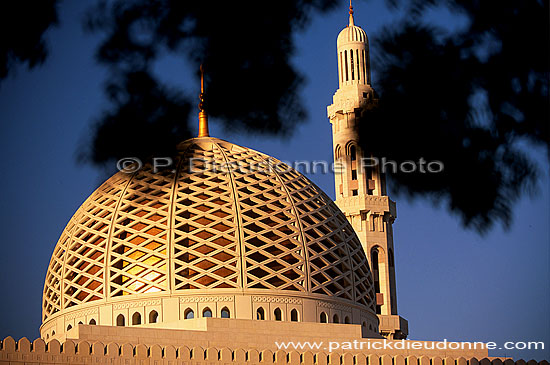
(334, 306)
(82, 313)
(276, 300)
(142, 303)
(206, 299)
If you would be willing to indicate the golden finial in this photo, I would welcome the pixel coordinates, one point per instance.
(350, 14)
(203, 117)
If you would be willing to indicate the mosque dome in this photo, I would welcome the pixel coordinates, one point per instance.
(228, 232)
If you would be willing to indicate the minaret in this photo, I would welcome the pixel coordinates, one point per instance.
(360, 188)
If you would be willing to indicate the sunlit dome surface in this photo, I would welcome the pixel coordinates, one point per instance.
(352, 33)
(183, 233)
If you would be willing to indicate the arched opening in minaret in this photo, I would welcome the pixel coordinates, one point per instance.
(358, 64)
(376, 275)
(346, 64)
(353, 158)
(352, 64)
(341, 68)
(353, 153)
(323, 318)
(365, 67)
(362, 54)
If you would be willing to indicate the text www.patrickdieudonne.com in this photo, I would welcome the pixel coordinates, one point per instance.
(406, 345)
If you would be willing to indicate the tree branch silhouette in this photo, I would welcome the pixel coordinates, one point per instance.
(472, 98)
(22, 27)
(138, 32)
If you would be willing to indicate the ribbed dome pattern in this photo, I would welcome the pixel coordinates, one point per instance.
(187, 230)
(352, 33)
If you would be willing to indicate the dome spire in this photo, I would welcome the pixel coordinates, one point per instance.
(203, 117)
(351, 14)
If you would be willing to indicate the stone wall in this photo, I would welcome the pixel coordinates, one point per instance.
(83, 352)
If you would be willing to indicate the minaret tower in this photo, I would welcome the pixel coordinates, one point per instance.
(360, 189)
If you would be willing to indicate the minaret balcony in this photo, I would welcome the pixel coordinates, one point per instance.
(349, 98)
(362, 203)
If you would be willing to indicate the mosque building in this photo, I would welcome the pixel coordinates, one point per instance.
(208, 266)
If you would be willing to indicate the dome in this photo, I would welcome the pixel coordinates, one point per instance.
(352, 33)
(236, 230)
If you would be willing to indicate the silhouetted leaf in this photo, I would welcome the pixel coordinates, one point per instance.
(22, 27)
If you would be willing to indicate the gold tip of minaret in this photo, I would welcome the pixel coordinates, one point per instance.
(203, 117)
(350, 14)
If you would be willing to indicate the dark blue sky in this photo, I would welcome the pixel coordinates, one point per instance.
(452, 284)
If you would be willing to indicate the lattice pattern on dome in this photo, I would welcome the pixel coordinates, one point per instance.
(233, 227)
(337, 263)
(138, 252)
(205, 234)
(274, 249)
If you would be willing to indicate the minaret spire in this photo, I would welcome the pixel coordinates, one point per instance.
(350, 14)
(203, 117)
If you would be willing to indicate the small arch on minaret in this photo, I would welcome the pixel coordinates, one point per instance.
(338, 152)
(378, 252)
(341, 68)
(358, 65)
(351, 149)
(352, 64)
(363, 67)
(346, 64)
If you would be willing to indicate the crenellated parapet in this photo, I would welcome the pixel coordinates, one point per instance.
(83, 352)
